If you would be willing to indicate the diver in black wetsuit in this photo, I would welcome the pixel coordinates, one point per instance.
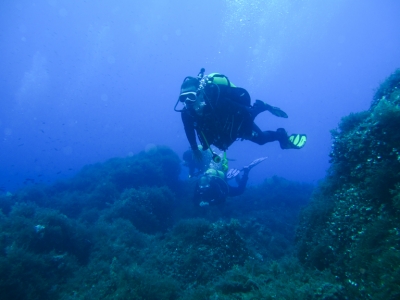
(212, 188)
(220, 113)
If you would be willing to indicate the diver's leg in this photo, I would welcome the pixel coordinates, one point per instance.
(263, 137)
(294, 141)
(258, 107)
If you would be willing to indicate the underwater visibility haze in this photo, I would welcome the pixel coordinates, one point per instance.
(95, 202)
(84, 81)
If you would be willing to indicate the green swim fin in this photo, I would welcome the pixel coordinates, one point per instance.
(294, 141)
(297, 141)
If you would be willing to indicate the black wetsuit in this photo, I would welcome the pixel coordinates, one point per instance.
(219, 189)
(222, 125)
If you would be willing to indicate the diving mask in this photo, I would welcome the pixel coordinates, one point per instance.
(188, 97)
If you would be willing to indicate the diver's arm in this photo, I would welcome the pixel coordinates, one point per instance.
(188, 124)
(238, 190)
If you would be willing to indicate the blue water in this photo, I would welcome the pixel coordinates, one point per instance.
(91, 84)
(85, 81)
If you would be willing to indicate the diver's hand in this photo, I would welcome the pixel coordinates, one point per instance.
(197, 155)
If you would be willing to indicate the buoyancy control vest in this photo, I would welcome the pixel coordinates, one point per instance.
(231, 118)
(228, 116)
(218, 86)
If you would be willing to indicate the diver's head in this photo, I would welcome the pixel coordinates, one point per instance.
(191, 96)
(189, 89)
(195, 103)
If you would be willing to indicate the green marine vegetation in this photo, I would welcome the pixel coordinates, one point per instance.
(128, 229)
(351, 226)
(40, 248)
(97, 186)
(148, 209)
(389, 90)
(199, 251)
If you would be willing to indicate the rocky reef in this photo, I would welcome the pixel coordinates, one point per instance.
(127, 228)
(351, 226)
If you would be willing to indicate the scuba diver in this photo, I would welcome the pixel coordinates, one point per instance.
(220, 113)
(212, 188)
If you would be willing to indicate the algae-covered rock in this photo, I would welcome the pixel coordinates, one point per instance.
(148, 209)
(197, 251)
(351, 226)
(389, 89)
(98, 185)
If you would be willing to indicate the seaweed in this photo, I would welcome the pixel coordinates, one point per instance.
(350, 226)
(389, 89)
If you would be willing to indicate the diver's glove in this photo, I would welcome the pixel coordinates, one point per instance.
(276, 111)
